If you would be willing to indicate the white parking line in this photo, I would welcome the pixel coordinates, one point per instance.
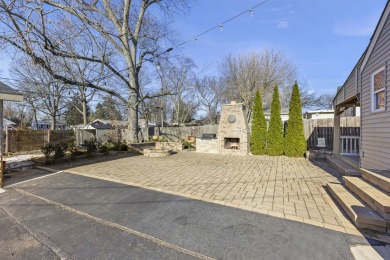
(41, 177)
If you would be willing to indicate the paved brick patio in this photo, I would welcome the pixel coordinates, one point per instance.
(278, 186)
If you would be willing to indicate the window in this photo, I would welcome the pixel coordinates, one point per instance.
(378, 90)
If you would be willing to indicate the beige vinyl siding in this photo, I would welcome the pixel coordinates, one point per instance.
(339, 97)
(375, 134)
(350, 86)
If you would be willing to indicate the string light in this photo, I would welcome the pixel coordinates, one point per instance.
(220, 26)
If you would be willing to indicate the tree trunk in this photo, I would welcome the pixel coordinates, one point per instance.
(52, 122)
(133, 112)
(85, 119)
(35, 118)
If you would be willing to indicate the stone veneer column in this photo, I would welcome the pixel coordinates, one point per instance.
(237, 129)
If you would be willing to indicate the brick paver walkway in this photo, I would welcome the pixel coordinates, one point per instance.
(278, 186)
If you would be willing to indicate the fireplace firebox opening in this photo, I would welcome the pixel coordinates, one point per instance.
(232, 143)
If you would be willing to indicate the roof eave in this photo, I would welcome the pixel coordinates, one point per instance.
(11, 97)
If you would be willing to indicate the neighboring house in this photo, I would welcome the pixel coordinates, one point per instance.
(283, 112)
(101, 130)
(368, 86)
(46, 125)
(118, 124)
(9, 124)
(318, 114)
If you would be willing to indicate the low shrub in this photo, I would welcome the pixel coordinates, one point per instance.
(48, 150)
(124, 146)
(60, 150)
(111, 146)
(91, 145)
(75, 151)
(104, 150)
(187, 145)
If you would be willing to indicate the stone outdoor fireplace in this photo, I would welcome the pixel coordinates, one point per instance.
(233, 130)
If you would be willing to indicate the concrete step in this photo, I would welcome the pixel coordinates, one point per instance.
(361, 215)
(381, 180)
(374, 197)
(349, 160)
(342, 166)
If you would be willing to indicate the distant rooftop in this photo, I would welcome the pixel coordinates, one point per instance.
(10, 94)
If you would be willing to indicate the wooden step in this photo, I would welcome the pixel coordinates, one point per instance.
(361, 215)
(374, 197)
(342, 166)
(381, 180)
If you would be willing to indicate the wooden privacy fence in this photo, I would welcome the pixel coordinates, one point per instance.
(30, 140)
(323, 128)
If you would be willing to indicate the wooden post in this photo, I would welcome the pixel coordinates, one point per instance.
(6, 140)
(1, 143)
(336, 134)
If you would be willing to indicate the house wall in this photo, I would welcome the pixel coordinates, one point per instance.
(375, 135)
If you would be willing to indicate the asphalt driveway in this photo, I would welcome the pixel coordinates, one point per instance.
(72, 216)
(278, 186)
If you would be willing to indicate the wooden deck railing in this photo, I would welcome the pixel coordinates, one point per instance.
(349, 145)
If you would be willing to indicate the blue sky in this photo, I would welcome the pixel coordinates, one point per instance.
(324, 39)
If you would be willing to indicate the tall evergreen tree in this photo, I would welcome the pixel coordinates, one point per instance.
(259, 127)
(295, 142)
(74, 113)
(275, 138)
(108, 109)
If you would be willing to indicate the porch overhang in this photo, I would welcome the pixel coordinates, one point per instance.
(351, 102)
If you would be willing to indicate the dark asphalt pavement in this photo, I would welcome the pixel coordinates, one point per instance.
(71, 216)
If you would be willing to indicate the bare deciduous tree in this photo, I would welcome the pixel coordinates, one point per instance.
(245, 73)
(177, 81)
(21, 114)
(325, 101)
(123, 36)
(42, 91)
(210, 94)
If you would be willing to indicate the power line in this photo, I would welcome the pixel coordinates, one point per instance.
(220, 26)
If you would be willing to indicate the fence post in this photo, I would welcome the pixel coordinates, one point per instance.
(49, 136)
(6, 140)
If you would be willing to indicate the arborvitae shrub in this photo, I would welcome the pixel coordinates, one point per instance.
(259, 127)
(295, 141)
(275, 137)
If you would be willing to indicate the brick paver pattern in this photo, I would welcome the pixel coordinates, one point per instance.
(283, 187)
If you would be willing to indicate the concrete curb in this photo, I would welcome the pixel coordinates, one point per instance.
(46, 169)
